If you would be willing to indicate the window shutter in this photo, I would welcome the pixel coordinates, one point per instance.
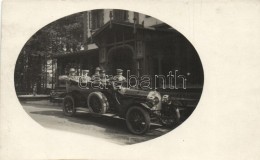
(94, 20)
(100, 18)
(90, 20)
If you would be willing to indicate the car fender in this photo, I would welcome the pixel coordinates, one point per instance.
(146, 106)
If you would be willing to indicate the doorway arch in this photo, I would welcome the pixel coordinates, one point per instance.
(121, 57)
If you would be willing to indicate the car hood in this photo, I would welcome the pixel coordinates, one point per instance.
(134, 92)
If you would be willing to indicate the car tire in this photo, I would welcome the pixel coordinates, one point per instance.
(69, 106)
(137, 120)
(97, 103)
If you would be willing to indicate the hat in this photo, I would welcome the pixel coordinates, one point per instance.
(85, 71)
(72, 70)
(97, 69)
(119, 70)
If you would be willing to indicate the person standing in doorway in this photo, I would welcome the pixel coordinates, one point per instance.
(34, 90)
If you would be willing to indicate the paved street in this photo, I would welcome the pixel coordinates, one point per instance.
(114, 130)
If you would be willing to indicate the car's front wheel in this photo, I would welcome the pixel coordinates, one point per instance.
(69, 106)
(137, 120)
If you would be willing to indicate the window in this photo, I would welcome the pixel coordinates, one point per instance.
(96, 19)
(120, 15)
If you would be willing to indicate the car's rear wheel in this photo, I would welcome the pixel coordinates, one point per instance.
(137, 120)
(69, 106)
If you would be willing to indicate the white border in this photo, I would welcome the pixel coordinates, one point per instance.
(226, 122)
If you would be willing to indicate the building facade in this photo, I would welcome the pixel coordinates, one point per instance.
(133, 41)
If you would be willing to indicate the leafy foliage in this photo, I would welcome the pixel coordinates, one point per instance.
(61, 36)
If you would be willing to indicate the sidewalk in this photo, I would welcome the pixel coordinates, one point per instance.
(32, 97)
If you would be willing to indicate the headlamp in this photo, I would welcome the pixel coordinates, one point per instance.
(166, 99)
(153, 99)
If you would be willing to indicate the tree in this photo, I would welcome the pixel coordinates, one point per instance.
(59, 37)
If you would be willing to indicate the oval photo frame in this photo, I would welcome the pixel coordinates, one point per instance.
(109, 73)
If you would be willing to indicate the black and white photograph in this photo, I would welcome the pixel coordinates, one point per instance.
(130, 80)
(116, 74)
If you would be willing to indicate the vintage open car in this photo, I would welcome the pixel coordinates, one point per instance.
(138, 107)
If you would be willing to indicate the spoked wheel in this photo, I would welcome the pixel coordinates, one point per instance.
(69, 106)
(137, 120)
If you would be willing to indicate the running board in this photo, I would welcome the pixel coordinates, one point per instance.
(82, 109)
(88, 111)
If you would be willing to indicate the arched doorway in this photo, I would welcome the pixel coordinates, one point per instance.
(120, 57)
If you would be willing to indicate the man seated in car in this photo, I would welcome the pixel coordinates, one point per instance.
(96, 75)
(103, 77)
(71, 79)
(85, 77)
(119, 79)
(72, 75)
(119, 76)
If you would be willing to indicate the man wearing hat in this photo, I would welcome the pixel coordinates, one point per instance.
(72, 72)
(119, 76)
(85, 77)
(103, 77)
(72, 75)
(71, 78)
(96, 75)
